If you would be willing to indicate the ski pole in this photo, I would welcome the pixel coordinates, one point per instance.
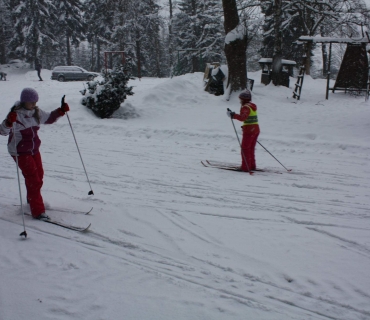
(78, 149)
(237, 136)
(24, 233)
(274, 157)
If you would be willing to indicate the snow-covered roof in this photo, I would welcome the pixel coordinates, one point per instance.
(332, 40)
(283, 61)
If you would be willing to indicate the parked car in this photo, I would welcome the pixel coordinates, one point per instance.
(65, 73)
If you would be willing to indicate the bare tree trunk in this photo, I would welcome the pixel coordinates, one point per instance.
(92, 66)
(325, 59)
(308, 47)
(194, 59)
(98, 66)
(138, 54)
(2, 44)
(2, 34)
(194, 63)
(235, 50)
(324, 51)
(170, 37)
(158, 57)
(68, 46)
(278, 41)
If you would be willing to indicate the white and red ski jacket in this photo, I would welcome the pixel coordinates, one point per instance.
(24, 140)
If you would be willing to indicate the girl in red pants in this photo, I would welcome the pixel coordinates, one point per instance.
(251, 129)
(22, 124)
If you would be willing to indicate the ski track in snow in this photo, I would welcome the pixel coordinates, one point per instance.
(227, 237)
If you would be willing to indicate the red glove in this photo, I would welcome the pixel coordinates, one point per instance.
(64, 108)
(10, 119)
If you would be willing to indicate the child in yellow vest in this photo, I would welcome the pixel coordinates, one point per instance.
(251, 129)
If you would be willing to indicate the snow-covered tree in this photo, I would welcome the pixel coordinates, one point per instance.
(70, 24)
(138, 25)
(34, 29)
(290, 30)
(170, 36)
(81, 56)
(198, 34)
(106, 97)
(235, 46)
(6, 29)
(311, 18)
(99, 20)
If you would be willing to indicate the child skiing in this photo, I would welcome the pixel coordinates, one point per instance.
(22, 124)
(251, 130)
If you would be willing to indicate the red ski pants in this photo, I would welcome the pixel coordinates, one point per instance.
(250, 136)
(33, 173)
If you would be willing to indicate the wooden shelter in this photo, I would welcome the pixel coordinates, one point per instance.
(353, 74)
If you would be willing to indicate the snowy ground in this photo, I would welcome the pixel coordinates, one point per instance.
(171, 239)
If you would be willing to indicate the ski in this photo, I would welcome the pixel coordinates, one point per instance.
(232, 166)
(222, 164)
(63, 225)
(70, 227)
(65, 210)
(70, 211)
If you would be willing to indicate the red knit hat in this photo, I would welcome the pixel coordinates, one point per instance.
(245, 95)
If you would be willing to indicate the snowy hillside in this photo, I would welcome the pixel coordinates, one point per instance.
(173, 240)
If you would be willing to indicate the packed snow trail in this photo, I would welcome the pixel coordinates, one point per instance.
(171, 239)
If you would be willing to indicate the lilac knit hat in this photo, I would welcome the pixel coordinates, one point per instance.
(29, 95)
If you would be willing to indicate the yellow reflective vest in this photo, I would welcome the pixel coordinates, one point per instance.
(252, 119)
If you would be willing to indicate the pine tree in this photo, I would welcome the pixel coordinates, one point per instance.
(306, 17)
(34, 29)
(81, 56)
(107, 96)
(199, 34)
(70, 26)
(5, 29)
(152, 47)
(99, 19)
(137, 25)
(187, 31)
(212, 39)
(291, 31)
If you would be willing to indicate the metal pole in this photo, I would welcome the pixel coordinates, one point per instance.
(78, 149)
(24, 233)
(274, 157)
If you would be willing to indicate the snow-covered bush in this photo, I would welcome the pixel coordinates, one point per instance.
(105, 97)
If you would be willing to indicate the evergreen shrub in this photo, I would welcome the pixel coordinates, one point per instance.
(106, 97)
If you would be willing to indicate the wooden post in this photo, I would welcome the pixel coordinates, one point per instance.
(328, 76)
